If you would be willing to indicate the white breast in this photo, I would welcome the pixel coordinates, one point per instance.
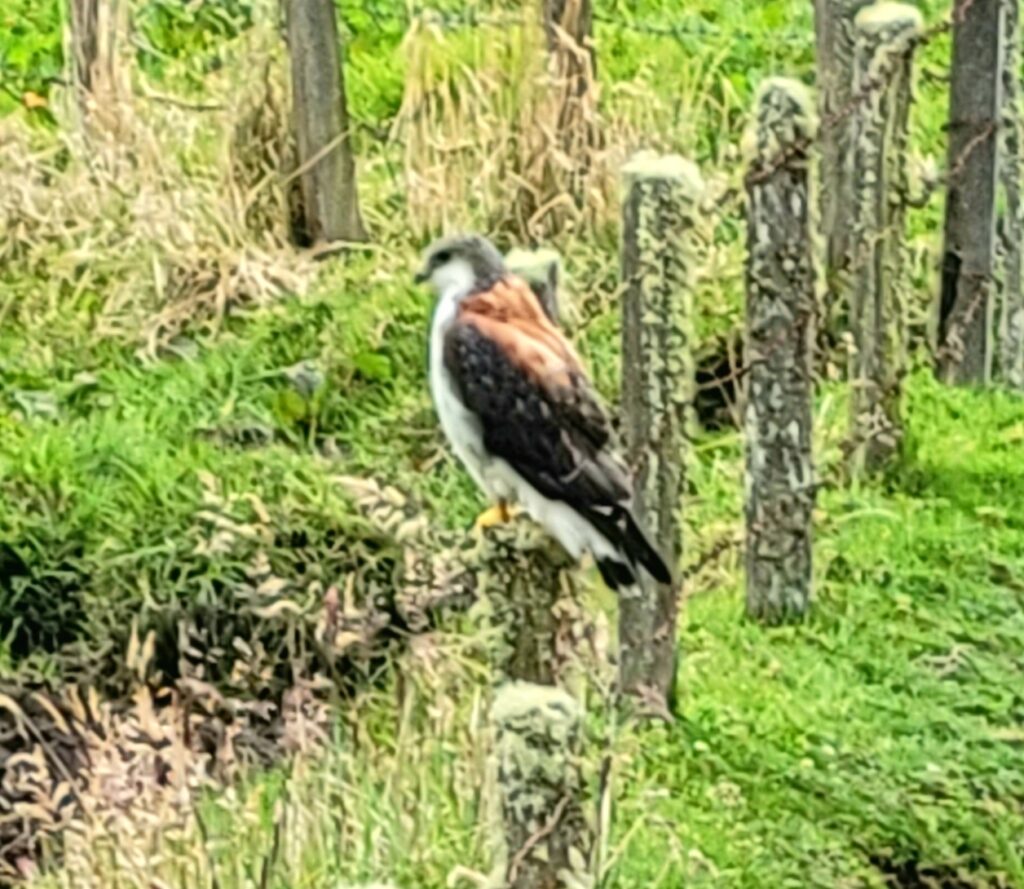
(460, 425)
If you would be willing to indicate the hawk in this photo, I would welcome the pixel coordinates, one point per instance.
(521, 415)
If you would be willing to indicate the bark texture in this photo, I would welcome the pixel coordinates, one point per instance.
(542, 270)
(546, 835)
(1011, 168)
(659, 216)
(569, 33)
(84, 18)
(781, 309)
(834, 42)
(97, 70)
(329, 193)
(886, 36)
(527, 578)
(975, 106)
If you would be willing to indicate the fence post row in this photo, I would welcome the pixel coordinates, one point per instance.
(780, 331)
(965, 304)
(883, 66)
(660, 214)
(1011, 228)
(547, 838)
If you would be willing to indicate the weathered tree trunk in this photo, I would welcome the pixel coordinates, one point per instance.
(886, 35)
(569, 31)
(541, 269)
(575, 19)
(965, 308)
(322, 131)
(546, 835)
(781, 308)
(1011, 169)
(661, 205)
(96, 72)
(834, 40)
(84, 18)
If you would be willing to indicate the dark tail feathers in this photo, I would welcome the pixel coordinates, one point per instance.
(624, 532)
(640, 550)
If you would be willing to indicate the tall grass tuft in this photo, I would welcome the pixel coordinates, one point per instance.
(496, 131)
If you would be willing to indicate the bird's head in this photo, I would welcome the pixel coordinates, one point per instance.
(462, 262)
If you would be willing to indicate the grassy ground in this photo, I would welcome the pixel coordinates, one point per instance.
(881, 743)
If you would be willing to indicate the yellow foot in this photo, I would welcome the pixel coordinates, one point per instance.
(499, 514)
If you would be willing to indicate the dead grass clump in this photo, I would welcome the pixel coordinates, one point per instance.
(263, 154)
(498, 131)
(137, 221)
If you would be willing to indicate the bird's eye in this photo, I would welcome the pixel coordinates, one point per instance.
(442, 257)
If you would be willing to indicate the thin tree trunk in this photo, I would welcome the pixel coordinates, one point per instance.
(661, 206)
(965, 309)
(781, 307)
(834, 41)
(568, 28)
(97, 72)
(322, 127)
(576, 19)
(84, 17)
(1011, 169)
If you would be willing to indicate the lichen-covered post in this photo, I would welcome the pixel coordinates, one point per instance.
(834, 42)
(527, 579)
(547, 838)
(1011, 169)
(883, 66)
(542, 270)
(781, 308)
(659, 218)
(968, 252)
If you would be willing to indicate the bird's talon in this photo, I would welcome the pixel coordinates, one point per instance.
(499, 514)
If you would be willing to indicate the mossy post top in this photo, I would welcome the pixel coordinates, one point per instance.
(650, 165)
(798, 94)
(880, 17)
(530, 263)
(516, 700)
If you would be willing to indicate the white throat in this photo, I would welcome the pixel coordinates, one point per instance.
(453, 279)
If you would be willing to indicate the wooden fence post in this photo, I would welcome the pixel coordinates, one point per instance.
(1011, 169)
(659, 216)
(834, 42)
(322, 128)
(542, 270)
(883, 65)
(547, 837)
(781, 310)
(527, 578)
(968, 255)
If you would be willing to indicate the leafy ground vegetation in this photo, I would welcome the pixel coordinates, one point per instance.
(181, 395)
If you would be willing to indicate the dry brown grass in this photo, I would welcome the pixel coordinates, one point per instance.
(142, 217)
(506, 139)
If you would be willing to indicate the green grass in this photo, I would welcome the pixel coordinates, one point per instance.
(883, 735)
(882, 738)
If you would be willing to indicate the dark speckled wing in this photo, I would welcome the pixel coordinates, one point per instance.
(554, 435)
